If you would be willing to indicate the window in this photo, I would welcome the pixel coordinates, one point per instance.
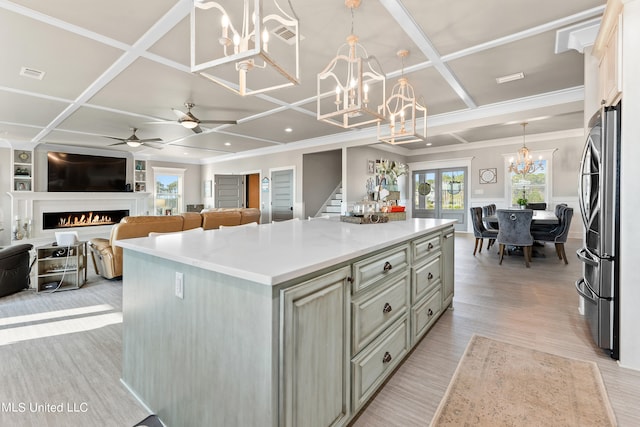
(168, 191)
(535, 187)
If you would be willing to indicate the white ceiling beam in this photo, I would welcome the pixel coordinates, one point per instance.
(399, 12)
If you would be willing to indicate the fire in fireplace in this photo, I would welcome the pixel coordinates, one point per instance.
(52, 220)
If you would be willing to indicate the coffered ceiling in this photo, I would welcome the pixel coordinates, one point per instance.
(112, 66)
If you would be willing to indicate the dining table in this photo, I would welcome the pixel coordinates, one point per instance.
(539, 218)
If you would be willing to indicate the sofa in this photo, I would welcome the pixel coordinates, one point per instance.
(107, 257)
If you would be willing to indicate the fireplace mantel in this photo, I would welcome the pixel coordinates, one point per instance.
(30, 205)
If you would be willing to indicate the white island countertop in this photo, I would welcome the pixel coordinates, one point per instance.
(275, 253)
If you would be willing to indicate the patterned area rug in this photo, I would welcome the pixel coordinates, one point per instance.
(500, 384)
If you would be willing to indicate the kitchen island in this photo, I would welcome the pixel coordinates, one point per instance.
(283, 324)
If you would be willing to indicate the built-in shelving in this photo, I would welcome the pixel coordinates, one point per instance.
(22, 170)
(140, 176)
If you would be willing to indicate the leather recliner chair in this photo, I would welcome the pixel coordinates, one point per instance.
(14, 269)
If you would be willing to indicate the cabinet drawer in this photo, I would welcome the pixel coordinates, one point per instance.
(370, 270)
(424, 314)
(374, 364)
(425, 278)
(425, 247)
(374, 311)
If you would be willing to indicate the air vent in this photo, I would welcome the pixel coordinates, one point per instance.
(285, 34)
(31, 73)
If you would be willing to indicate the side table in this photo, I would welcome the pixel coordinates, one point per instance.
(61, 268)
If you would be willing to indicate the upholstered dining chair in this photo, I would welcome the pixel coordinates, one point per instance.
(515, 230)
(489, 210)
(559, 234)
(480, 232)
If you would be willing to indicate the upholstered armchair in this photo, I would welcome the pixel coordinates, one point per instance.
(14, 269)
(515, 230)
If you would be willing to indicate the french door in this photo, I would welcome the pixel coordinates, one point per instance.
(441, 193)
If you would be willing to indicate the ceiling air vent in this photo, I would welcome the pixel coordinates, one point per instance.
(31, 73)
(285, 34)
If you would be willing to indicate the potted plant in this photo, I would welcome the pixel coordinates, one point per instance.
(522, 201)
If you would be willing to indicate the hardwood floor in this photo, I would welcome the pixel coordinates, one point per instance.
(66, 348)
(535, 307)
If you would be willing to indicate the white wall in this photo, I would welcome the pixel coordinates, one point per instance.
(629, 199)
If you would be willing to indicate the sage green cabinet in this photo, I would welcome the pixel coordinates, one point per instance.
(448, 267)
(315, 375)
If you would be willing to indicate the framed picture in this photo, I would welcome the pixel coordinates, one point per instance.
(371, 167)
(488, 176)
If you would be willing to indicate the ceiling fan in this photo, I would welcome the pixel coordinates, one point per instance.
(134, 141)
(190, 121)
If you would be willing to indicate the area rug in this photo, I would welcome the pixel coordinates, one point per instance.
(500, 384)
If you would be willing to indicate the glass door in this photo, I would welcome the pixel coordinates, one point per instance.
(441, 193)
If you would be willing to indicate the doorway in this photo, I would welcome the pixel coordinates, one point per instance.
(229, 191)
(441, 193)
(281, 195)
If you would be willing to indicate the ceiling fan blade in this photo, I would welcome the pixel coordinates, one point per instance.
(150, 140)
(220, 122)
(113, 137)
(180, 115)
(197, 129)
(152, 146)
(117, 143)
(167, 122)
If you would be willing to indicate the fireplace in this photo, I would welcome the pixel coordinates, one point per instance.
(56, 220)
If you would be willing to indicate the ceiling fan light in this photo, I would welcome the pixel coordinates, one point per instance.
(134, 144)
(189, 124)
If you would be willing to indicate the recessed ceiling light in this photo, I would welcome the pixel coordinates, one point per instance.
(227, 144)
(510, 78)
(288, 130)
(429, 144)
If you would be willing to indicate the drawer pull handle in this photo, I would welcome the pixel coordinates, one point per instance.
(386, 358)
(430, 246)
(387, 308)
(430, 313)
(387, 266)
(429, 276)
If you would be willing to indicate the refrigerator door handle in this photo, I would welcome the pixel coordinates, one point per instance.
(583, 288)
(587, 257)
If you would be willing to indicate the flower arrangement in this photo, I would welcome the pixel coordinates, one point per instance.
(392, 170)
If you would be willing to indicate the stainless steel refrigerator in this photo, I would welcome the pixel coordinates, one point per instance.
(599, 185)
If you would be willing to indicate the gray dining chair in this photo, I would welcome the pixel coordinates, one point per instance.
(480, 232)
(488, 210)
(559, 234)
(515, 230)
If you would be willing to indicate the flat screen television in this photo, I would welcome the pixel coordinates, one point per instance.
(85, 173)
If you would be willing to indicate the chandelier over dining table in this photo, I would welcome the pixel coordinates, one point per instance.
(524, 164)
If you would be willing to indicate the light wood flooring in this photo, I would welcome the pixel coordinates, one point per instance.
(72, 357)
(535, 307)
